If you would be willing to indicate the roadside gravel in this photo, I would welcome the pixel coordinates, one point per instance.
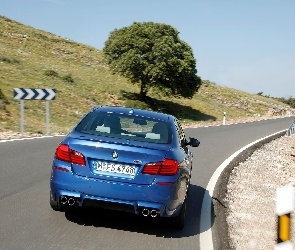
(251, 195)
(251, 191)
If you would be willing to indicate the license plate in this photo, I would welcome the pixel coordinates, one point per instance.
(99, 166)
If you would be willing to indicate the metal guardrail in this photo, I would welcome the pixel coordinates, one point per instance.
(291, 130)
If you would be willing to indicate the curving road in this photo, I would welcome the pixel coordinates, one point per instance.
(28, 222)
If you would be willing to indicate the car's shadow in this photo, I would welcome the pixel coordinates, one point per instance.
(160, 227)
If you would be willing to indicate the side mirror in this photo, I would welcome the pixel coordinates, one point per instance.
(193, 142)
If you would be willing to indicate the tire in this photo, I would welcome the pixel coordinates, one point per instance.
(178, 221)
(55, 205)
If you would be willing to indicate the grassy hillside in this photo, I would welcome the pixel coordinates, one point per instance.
(31, 58)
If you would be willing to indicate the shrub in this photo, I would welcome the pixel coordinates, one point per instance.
(7, 60)
(51, 73)
(68, 78)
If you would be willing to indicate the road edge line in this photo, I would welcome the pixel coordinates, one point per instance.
(30, 138)
(206, 241)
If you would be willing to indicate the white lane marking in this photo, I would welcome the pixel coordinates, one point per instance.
(206, 242)
(30, 138)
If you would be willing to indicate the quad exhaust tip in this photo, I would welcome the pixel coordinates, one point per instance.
(149, 211)
(71, 201)
(145, 212)
(67, 200)
(63, 200)
(154, 213)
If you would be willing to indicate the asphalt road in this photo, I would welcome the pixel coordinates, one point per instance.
(28, 222)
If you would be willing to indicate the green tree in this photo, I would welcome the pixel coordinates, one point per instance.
(152, 55)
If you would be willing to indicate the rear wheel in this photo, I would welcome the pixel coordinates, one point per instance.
(178, 221)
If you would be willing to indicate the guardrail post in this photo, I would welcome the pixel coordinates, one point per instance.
(284, 208)
(224, 118)
(291, 129)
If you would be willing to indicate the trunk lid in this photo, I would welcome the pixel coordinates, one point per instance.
(117, 160)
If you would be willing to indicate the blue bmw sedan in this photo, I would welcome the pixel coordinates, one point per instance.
(124, 159)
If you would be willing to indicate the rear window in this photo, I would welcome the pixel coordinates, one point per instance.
(126, 127)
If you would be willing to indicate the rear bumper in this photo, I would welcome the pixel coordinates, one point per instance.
(165, 199)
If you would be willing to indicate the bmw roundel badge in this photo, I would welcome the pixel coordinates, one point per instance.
(115, 155)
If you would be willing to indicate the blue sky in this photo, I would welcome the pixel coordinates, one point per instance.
(248, 45)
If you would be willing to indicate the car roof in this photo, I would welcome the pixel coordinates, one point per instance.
(136, 112)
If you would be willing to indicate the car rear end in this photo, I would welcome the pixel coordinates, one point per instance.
(135, 170)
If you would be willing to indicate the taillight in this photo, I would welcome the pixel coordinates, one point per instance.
(166, 167)
(64, 153)
(77, 157)
(152, 168)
